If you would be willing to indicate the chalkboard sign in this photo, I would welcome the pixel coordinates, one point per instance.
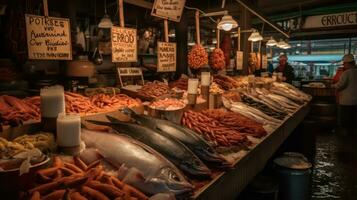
(166, 57)
(124, 44)
(168, 9)
(239, 60)
(48, 38)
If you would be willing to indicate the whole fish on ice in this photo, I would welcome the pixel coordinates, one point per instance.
(158, 174)
(189, 138)
(172, 149)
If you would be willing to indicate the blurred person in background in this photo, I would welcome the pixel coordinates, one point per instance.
(347, 96)
(286, 69)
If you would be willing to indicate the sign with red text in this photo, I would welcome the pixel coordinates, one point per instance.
(168, 9)
(48, 38)
(166, 57)
(124, 44)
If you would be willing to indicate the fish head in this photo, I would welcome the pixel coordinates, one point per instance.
(213, 157)
(195, 167)
(172, 181)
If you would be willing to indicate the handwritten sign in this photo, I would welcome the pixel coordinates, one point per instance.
(48, 38)
(124, 44)
(168, 9)
(239, 60)
(129, 72)
(264, 61)
(166, 57)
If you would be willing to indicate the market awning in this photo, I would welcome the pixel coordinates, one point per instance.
(332, 58)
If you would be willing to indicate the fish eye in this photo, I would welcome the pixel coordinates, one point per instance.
(174, 176)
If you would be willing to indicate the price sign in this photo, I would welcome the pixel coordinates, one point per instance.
(166, 57)
(168, 9)
(124, 44)
(264, 61)
(48, 38)
(239, 60)
(129, 71)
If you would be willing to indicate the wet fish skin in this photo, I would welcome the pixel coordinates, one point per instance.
(172, 149)
(189, 138)
(160, 175)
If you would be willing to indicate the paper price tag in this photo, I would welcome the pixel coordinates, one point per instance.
(239, 60)
(168, 9)
(166, 57)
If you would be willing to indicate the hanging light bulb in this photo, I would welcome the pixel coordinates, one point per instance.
(227, 23)
(255, 36)
(281, 44)
(271, 42)
(105, 22)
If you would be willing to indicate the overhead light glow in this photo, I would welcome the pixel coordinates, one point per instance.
(105, 22)
(271, 42)
(227, 23)
(255, 36)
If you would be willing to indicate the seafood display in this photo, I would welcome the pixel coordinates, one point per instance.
(237, 122)
(25, 151)
(226, 82)
(181, 83)
(14, 111)
(213, 131)
(189, 138)
(157, 174)
(77, 180)
(197, 57)
(154, 89)
(110, 102)
(168, 104)
(251, 101)
(217, 59)
(172, 149)
(214, 88)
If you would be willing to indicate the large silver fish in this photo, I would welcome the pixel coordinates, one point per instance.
(172, 149)
(159, 174)
(189, 138)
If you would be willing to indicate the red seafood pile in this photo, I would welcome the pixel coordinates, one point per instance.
(214, 131)
(78, 180)
(217, 59)
(197, 57)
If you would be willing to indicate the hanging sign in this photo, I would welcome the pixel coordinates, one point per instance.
(331, 20)
(264, 61)
(168, 9)
(129, 72)
(124, 44)
(48, 38)
(239, 60)
(166, 57)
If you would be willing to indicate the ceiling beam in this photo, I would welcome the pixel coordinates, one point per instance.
(140, 3)
(255, 12)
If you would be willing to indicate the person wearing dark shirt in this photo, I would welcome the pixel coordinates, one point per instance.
(286, 69)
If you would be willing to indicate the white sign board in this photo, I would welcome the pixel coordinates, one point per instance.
(239, 60)
(331, 20)
(130, 72)
(264, 61)
(168, 9)
(166, 57)
(124, 44)
(48, 38)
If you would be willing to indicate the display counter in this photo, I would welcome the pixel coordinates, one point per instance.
(228, 184)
